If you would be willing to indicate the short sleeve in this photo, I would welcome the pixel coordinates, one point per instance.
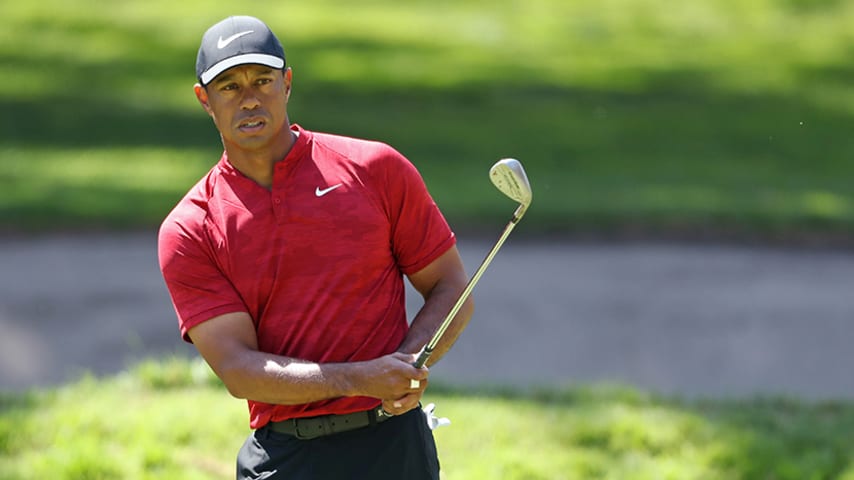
(198, 288)
(420, 233)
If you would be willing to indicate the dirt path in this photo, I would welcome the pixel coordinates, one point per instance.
(687, 320)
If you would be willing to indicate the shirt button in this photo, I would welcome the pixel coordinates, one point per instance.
(277, 200)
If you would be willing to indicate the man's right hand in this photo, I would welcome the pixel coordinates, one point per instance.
(390, 378)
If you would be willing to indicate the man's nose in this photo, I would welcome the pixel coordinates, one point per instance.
(250, 100)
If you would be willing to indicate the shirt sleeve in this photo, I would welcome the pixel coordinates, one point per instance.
(420, 233)
(198, 288)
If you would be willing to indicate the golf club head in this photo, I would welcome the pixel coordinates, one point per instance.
(509, 177)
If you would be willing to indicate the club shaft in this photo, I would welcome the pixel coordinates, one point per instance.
(425, 353)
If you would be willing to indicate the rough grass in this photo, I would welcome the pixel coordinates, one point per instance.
(173, 419)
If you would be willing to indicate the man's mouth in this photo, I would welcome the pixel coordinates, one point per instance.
(251, 125)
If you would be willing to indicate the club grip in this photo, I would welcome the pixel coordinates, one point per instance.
(422, 357)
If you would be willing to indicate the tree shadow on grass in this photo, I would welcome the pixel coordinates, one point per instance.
(673, 130)
(670, 138)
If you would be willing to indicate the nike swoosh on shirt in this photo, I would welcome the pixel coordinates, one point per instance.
(318, 192)
(220, 44)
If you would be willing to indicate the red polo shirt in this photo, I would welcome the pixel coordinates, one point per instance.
(316, 261)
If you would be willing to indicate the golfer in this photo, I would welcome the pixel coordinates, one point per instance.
(285, 265)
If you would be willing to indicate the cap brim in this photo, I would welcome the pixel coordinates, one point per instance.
(248, 58)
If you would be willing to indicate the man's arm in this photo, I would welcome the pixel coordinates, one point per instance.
(440, 283)
(229, 344)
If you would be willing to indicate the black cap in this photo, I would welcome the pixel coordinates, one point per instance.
(237, 41)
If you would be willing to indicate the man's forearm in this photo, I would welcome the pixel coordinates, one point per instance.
(268, 378)
(274, 379)
(436, 307)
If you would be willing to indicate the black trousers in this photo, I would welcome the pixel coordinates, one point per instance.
(402, 447)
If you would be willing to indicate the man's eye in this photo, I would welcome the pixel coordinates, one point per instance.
(264, 81)
(230, 86)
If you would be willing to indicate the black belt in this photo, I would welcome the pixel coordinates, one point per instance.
(313, 427)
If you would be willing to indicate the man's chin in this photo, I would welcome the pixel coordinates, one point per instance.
(257, 142)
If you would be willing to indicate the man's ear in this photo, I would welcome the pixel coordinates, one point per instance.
(289, 76)
(202, 96)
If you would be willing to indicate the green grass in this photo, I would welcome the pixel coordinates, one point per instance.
(173, 419)
(716, 115)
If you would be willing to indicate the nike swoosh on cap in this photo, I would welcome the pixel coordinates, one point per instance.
(318, 192)
(220, 44)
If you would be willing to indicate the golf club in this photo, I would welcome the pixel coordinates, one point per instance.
(509, 177)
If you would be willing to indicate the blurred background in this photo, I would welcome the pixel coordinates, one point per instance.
(705, 119)
(692, 226)
(714, 123)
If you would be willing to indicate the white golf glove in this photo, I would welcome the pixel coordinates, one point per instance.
(433, 421)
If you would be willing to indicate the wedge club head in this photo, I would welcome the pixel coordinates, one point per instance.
(509, 177)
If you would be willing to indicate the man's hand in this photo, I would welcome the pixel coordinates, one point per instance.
(390, 379)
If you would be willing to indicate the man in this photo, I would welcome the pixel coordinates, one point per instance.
(285, 265)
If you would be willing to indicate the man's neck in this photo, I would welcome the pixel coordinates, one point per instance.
(257, 164)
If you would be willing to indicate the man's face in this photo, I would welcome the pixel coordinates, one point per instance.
(248, 104)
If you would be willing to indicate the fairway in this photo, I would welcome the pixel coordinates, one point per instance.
(712, 118)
